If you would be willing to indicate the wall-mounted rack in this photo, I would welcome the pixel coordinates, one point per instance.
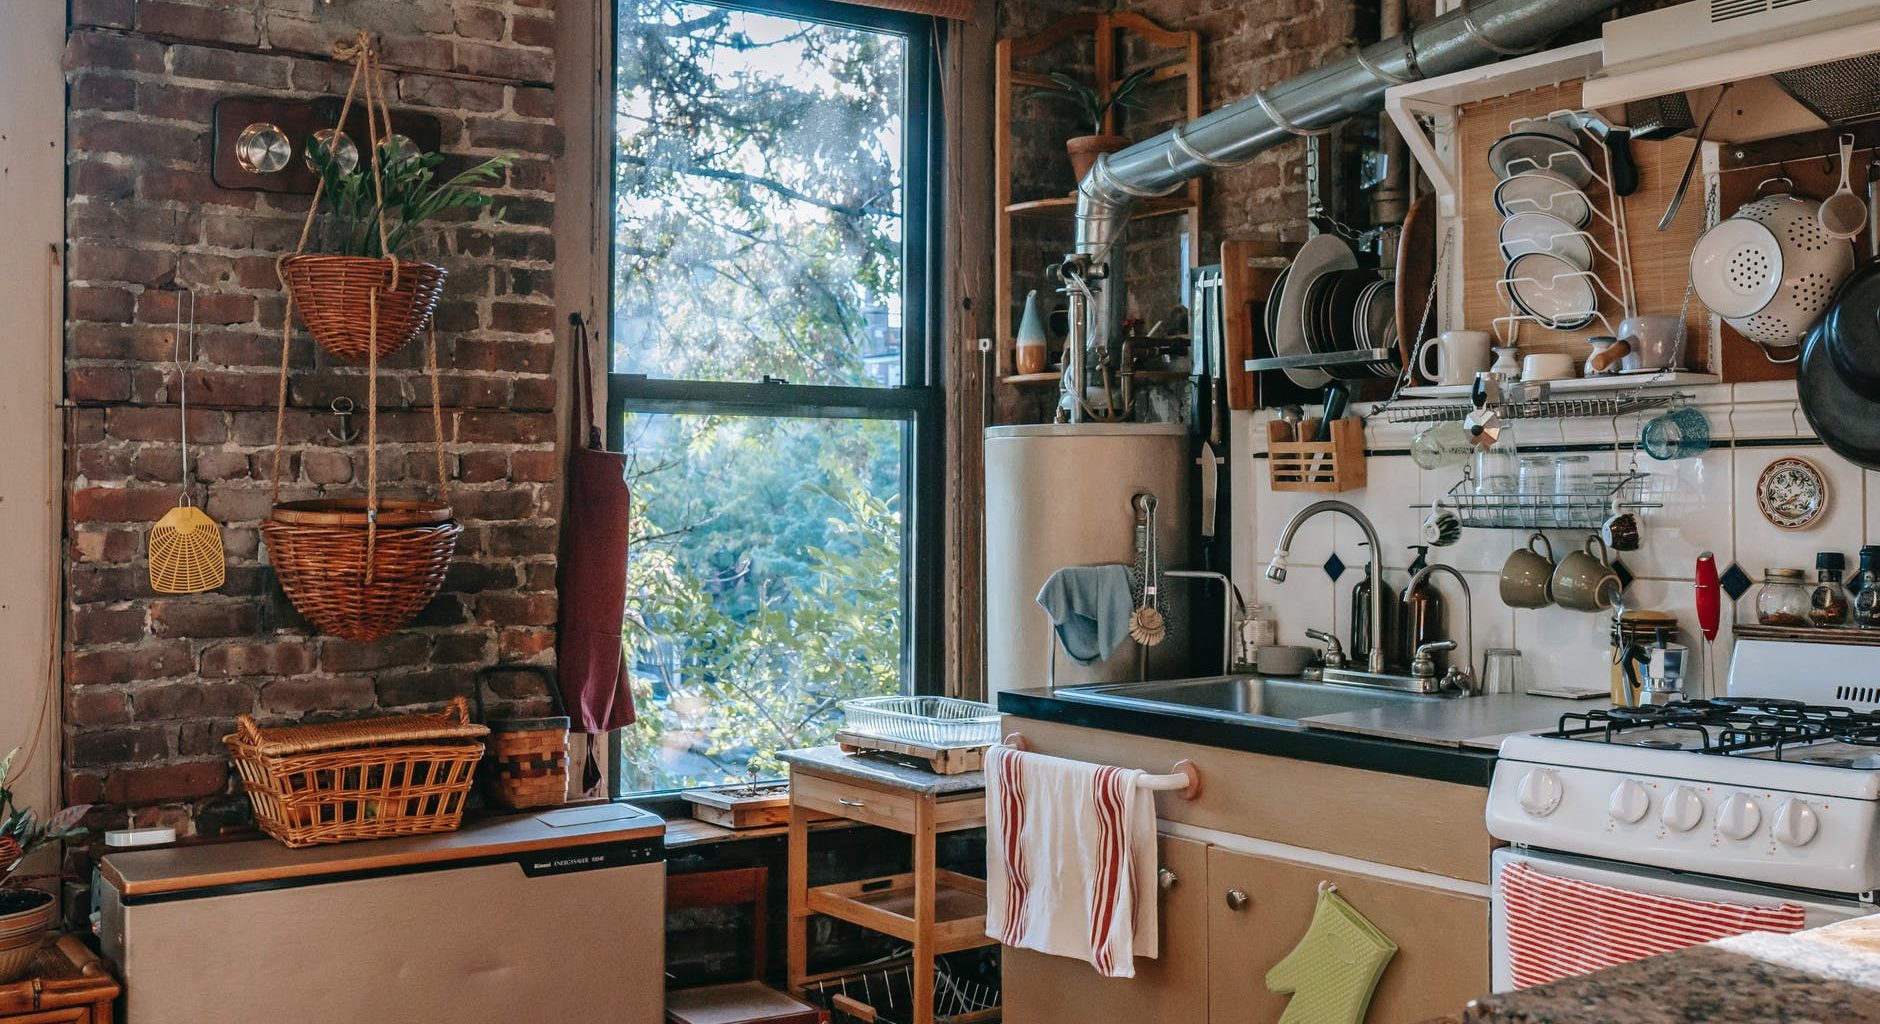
(1547, 510)
(1543, 409)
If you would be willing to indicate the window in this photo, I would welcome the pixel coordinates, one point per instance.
(770, 374)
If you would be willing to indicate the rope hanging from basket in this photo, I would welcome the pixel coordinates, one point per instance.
(366, 86)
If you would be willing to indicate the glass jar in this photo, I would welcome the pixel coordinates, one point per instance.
(1828, 604)
(1866, 589)
(1783, 599)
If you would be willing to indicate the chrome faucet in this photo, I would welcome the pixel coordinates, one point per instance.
(1459, 678)
(1276, 569)
(1231, 612)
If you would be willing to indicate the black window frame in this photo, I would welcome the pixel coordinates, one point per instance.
(917, 402)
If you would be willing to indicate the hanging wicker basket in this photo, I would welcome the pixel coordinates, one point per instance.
(355, 586)
(333, 295)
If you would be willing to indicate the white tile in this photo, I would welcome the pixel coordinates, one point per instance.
(1563, 648)
(1705, 678)
(1761, 545)
(1303, 602)
(1871, 482)
(1390, 491)
(1271, 511)
(1698, 515)
(1494, 623)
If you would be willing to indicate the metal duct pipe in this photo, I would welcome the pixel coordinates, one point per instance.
(1315, 101)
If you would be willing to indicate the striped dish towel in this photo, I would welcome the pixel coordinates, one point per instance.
(1559, 927)
(1070, 859)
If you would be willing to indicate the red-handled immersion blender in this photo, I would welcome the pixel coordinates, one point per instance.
(1709, 613)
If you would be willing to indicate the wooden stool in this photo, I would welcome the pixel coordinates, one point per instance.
(737, 1002)
(67, 983)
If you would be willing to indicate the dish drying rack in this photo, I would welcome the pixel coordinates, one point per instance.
(1536, 409)
(924, 721)
(1506, 328)
(1551, 509)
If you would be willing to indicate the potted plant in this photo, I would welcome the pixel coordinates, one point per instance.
(26, 914)
(1093, 105)
(369, 230)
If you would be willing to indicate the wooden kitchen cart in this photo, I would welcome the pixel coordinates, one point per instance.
(934, 910)
(67, 984)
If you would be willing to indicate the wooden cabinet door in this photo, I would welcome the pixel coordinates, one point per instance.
(1441, 937)
(1171, 989)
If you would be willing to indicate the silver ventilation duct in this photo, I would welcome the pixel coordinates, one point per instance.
(1472, 35)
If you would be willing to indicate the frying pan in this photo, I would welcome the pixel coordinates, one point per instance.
(1847, 421)
(1851, 331)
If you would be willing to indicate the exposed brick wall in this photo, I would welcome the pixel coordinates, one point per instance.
(154, 682)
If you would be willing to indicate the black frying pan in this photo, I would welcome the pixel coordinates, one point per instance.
(1846, 420)
(1851, 330)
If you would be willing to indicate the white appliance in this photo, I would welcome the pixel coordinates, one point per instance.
(1059, 495)
(556, 916)
(1769, 795)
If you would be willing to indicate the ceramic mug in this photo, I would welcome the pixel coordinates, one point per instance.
(1546, 366)
(1442, 527)
(1460, 355)
(1585, 582)
(1527, 576)
(1655, 342)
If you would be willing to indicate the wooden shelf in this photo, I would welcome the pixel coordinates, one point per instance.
(886, 905)
(1066, 206)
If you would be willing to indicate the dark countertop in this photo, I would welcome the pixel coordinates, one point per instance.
(1444, 762)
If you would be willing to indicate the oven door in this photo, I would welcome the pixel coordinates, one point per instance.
(1817, 909)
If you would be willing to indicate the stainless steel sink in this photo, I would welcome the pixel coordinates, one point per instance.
(1238, 698)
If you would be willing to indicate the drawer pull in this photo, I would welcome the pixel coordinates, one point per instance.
(1236, 900)
(1166, 879)
(846, 802)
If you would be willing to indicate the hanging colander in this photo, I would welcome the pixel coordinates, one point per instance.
(1770, 271)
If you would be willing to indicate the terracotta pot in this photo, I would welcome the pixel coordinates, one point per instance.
(25, 917)
(1084, 150)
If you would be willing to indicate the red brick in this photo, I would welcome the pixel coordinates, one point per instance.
(517, 609)
(94, 625)
(104, 13)
(103, 92)
(188, 781)
(98, 384)
(127, 423)
(479, 23)
(403, 649)
(88, 707)
(203, 617)
(507, 62)
(84, 302)
(87, 49)
(192, 698)
(149, 660)
(532, 31)
(91, 748)
(258, 658)
(233, 66)
(521, 644)
(310, 694)
(120, 504)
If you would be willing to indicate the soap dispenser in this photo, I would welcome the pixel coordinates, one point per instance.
(1361, 620)
(1422, 618)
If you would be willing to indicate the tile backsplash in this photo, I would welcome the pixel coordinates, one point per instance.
(1708, 504)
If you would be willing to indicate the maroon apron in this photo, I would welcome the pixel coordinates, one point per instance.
(592, 577)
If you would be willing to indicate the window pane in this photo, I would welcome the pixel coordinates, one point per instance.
(758, 197)
(764, 588)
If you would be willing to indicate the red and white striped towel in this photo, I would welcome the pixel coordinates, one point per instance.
(1070, 859)
(1559, 927)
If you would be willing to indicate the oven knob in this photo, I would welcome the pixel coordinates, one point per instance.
(1629, 802)
(1540, 792)
(1738, 816)
(1796, 823)
(1683, 810)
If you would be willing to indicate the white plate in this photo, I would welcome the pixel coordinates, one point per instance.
(1543, 192)
(1524, 233)
(1736, 268)
(1321, 255)
(1533, 151)
(1552, 290)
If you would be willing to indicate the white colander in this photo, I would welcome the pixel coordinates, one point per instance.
(1769, 270)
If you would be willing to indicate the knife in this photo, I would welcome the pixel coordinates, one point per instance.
(1207, 359)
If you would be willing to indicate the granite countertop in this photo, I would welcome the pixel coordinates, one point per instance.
(1480, 722)
(883, 773)
(1828, 975)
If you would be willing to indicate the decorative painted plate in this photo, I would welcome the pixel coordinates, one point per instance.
(1792, 494)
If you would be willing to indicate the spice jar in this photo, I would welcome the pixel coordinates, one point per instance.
(1866, 589)
(1828, 604)
(1783, 599)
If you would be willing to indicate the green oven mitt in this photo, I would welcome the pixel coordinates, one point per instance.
(1333, 970)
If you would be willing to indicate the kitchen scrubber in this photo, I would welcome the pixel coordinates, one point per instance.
(1335, 967)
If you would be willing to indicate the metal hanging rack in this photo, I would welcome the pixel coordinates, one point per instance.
(1535, 409)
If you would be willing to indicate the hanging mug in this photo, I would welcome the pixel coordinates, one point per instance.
(1460, 355)
(1442, 527)
(1680, 433)
(1527, 575)
(1621, 530)
(1585, 582)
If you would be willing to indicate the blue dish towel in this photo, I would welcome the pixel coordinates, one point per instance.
(1091, 605)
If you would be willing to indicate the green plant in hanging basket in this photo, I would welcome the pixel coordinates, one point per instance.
(365, 292)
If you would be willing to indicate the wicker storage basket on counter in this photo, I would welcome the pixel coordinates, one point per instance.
(529, 762)
(370, 779)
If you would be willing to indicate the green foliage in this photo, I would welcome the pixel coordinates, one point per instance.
(1091, 103)
(412, 195)
(21, 831)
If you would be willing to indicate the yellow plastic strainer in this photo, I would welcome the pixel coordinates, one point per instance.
(186, 555)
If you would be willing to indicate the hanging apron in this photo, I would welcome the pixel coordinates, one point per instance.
(591, 667)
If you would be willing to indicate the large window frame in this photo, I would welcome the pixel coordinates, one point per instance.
(917, 402)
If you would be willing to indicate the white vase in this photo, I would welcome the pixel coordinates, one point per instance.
(1033, 353)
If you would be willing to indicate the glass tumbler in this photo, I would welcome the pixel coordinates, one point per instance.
(1501, 670)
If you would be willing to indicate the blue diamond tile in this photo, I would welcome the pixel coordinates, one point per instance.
(1621, 570)
(1334, 567)
(1735, 582)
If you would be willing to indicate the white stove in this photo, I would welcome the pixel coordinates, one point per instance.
(1769, 795)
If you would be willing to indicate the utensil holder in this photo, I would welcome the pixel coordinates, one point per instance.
(1316, 466)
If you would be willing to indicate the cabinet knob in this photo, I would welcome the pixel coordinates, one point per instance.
(1166, 879)
(1236, 900)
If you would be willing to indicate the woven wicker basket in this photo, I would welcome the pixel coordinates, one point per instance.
(370, 779)
(319, 551)
(334, 297)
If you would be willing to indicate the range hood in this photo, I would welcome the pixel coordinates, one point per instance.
(1824, 54)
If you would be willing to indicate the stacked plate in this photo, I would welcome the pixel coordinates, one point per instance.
(1324, 304)
(1541, 196)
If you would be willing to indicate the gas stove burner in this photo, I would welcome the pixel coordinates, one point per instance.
(1658, 741)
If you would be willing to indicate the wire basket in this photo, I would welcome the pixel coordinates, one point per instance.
(1549, 510)
(927, 721)
(885, 995)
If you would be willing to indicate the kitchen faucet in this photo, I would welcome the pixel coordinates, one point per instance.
(1276, 569)
(1459, 678)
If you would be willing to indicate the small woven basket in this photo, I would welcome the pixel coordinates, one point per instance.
(370, 779)
(319, 551)
(334, 297)
(529, 762)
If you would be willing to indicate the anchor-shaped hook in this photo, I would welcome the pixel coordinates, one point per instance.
(343, 408)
